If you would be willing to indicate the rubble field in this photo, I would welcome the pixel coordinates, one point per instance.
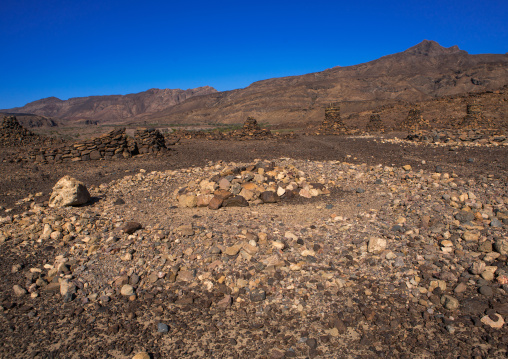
(322, 247)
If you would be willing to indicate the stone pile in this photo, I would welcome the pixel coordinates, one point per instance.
(332, 124)
(414, 121)
(149, 140)
(474, 118)
(251, 130)
(258, 183)
(13, 134)
(460, 137)
(375, 124)
(112, 145)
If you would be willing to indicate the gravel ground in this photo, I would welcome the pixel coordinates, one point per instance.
(401, 253)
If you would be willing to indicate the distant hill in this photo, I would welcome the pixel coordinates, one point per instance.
(421, 73)
(109, 109)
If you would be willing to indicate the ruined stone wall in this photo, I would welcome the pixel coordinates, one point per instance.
(149, 140)
(113, 145)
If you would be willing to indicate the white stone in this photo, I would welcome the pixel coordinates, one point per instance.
(376, 244)
(127, 290)
(68, 191)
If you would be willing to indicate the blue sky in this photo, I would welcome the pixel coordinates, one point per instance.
(81, 48)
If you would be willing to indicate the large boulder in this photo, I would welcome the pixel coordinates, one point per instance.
(68, 191)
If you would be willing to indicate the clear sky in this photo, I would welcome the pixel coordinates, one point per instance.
(75, 48)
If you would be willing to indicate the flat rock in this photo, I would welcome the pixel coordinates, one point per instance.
(236, 201)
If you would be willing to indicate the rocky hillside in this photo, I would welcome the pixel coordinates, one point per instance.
(114, 108)
(423, 72)
(31, 121)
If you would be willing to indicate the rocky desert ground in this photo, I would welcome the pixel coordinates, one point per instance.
(303, 247)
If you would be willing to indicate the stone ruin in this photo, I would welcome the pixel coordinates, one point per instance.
(149, 140)
(375, 124)
(474, 118)
(112, 145)
(13, 134)
(332, 124)
(414, 121)
(250, 131)
(456, 137)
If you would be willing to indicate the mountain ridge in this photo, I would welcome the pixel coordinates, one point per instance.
(109, 108)
(421, 72)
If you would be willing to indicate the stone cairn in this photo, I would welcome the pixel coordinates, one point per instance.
(251, 129)
(414, 121)
(13, 134)
(375, 124)
(112, 145)
(332, 124)
(474, 118)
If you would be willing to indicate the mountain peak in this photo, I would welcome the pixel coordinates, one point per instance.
(432, 48)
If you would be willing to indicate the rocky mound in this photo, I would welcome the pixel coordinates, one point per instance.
(253, 184)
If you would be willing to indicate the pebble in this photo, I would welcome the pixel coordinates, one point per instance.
(162, 328)
(141, 355)
(127, 290)
(486, 290)
(19, 291)
(376, 245)
(449, 302)
(257, 295)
